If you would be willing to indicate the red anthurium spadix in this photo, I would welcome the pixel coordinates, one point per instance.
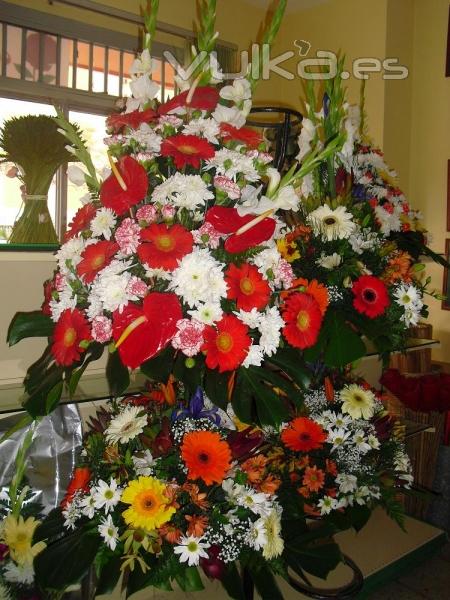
(141, 332)
(228, 220)
(120, 196)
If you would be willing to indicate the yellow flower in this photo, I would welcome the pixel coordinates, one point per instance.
(17, 534)
(274, 545)
(149, 503)
(357, 402)
(288, 250)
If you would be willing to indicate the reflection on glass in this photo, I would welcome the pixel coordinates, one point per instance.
(13, 51)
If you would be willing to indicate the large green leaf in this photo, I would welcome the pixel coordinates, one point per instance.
(66, 561)
(160, 366)
(109, 576)
(29, 324)
(117, 375)
(52, 526)
(94, 352)
(189, 580)
(232, 582)
(191, 377)
(291, 362)
(42, 398)
(216, 387)
(343, 345)
(264, 580)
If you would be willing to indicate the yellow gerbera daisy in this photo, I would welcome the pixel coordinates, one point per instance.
(17, 534)
(149, 503)
(357, 402)
(274, 545)
(288, 250)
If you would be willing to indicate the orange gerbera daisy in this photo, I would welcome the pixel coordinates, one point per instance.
(303, 434)
(247, 286)
(315, 289)
(187, 150)
(197, 525)
(313, 478)
(206, 456)
(227, 344)
(270, 485)
(163, 246)
(198, 498)
(398, 268)
(255, 468)
(303, 319)
(170, 533)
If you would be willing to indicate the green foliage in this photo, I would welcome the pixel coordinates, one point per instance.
(117, 375)
(150, 21)
(29, 324)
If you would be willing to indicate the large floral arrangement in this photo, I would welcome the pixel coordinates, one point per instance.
(201, 265)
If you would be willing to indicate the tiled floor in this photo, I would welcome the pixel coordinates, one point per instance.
(430, 581)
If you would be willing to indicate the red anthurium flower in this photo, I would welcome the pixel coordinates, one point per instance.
(204, 98)
(135, 177)
(303, 434)
(141, 332)
(303, 318)
(227, 344)
(371, 296)
(95, 258)
(79, 482)
(228, 220)
(81, 220)
(71, 329)
(164, 245)
(250, 137)
(247, 286)
(187, 150)
(132, 119)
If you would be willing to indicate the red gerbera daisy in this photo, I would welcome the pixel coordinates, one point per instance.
(247, 286)
(227, 344)
(371, 296)
(71, 329)
(164, 246)
(206, 456)
(142, 332)
(204, 98)
(132, 119)
(303, 434)
(187, 150)
(250, 137)
(112, 195)
(303, 319)
(81, 220)
(79, 482)
(95, 258)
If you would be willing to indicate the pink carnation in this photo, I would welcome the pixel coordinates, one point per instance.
(127, 236)
(263, 157)
(148, 213)
(189, 337)
(59, 282)
(168, 212)
(101, 329)
(137, 287)
(285, 274)
(171, 120)
(227, 185)
(207, 235)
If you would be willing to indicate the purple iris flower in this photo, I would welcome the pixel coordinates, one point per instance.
(196, 409)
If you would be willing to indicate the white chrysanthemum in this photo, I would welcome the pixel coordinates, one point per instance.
(327, 504)
(184, 191)
(207, 128)
(389, 221)
(71, 250)
(271, 265)
(146, 137)
(329, 261)
(207, 313)
(199, 279)
(66, 300)
(408, 296)
(106, 495)
(191, 549)
(331, 224)
(21, 574)
(250, 318)
(357, 402)
(103, 222)
(231, 163)
(126, 425)
(275, 544)
(255, 356)
(112, 291)
(270, 326)
(109, 532)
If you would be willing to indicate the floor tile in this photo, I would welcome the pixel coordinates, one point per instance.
(395, 591)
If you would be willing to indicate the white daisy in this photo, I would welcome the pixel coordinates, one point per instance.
(106, 495)
(329, 261)
(338, 437)
(207, 313)
(331, 224)
(258, 502)
(327, 504)
(373, 442)
(360, 441)
(87, 505)
(191, 549)
(257, 534)
(109, 532)
(21, 574)
(128, 424)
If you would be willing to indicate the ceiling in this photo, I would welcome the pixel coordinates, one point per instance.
(292, 5)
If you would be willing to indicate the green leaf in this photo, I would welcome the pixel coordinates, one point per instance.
(52, 526)
(189, 580)
(41, 399)
(109, 576)
(216, 387)
(192, 378)
(66, 561)
(292, 363)
(23, 422)
(344, 345)
(264, 580)
(94, 352)
(53, 397)
(29, 324)
(117, 375)
(160, 366)
(232, 582)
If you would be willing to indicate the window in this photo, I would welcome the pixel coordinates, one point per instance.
(84, 75)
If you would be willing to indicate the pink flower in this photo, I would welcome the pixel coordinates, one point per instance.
(137, 287)
(227, 185)
(127, 236)
(12, 172)
(263, 157)
(171, 120)
(285, 274)
(207, 235)
(101, 329)
(168, 212)
(60, 282)
(189, 336)
(147, 213)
